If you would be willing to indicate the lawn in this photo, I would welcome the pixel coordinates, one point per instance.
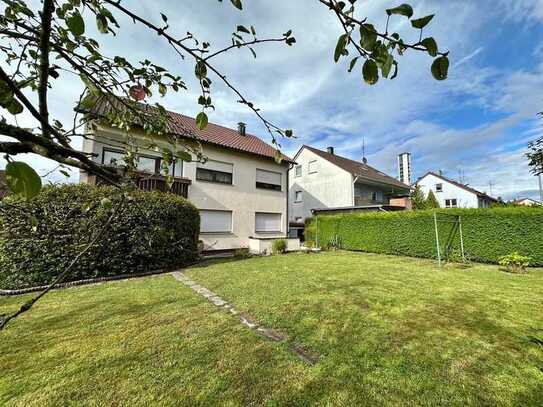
(387, 330)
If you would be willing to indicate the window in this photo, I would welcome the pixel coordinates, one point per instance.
(144, 163)
(112, 157)
(439, 187)
(451, 203)
(267, 222)
(215, 171)
(268, 180)
(298, 196)
(298, 171)
(215, 221)
(312, 167)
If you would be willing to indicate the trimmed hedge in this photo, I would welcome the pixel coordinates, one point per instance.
(488, 233)
(39, 238)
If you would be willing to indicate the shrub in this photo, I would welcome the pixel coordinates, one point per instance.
(242, 253)
(488, 233)
(279, 246)
(515, 262)
(39, 238)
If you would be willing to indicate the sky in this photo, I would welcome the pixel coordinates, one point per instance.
(476, 123)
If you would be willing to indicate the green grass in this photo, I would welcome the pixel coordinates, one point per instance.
(389, 330)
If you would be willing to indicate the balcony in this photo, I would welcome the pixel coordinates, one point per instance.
(154, 182)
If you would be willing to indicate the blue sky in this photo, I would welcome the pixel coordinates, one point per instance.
(478, 121)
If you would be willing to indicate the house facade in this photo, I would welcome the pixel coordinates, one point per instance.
(322, 179)
(241, 191)
(453, 194)
(527, 202)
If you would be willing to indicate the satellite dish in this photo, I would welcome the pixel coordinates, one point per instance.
(137, 92)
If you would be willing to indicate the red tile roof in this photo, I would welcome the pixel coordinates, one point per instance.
(185, 126)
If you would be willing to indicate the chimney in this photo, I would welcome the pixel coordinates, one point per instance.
(242, 128)
(404, 168)
(330, 150)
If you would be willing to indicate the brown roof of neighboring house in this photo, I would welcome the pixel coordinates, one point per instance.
(358, 169)
(459, 184)
(185, 126)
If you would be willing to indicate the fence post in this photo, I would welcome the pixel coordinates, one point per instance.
(437, 240)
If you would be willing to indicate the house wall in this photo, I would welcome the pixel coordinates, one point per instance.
(329, 186)
(363, 195)
(465, 199)
(242, 197)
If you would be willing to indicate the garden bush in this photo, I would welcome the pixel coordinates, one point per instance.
(39, 238)
(279, 246)
(488, 233)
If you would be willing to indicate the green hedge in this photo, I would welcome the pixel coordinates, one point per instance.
(488, 233)
(39, 238)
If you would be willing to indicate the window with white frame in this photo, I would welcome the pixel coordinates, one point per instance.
(268, 180)
(298, 171)
(312, 167)
(298, 196)
(212, 221)
(215, 171)
(439, 187)
(451, 203)
(267, 222)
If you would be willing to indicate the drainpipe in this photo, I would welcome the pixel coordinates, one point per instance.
(290, 166)
(352, 191)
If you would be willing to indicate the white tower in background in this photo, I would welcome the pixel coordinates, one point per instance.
(404, 168)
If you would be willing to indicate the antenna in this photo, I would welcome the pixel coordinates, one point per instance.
(491, 184)
(363, 146)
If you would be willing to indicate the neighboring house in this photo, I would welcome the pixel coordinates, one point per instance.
(453, 194)
(322, 179)
(241, 191)
(527, 202)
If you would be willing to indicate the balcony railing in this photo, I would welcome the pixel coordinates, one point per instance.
(180, 186)
(154, 182)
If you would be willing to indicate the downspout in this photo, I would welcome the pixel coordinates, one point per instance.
(352, 189)
(290, 166)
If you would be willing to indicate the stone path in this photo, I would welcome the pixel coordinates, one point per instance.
(247, 320)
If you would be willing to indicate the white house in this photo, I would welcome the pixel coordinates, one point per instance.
(323, 179)
(241, 191)
(527, 202)
(453, 194)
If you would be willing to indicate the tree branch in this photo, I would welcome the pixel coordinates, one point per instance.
(47, 12)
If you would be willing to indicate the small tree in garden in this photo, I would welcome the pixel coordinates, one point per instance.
(431, 201)
(418, 201)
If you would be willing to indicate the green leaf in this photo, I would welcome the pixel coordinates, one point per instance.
(200, 70)
(183, 155)
(242, 29)
(14, 107)
(201, 120)
(340, 46)
(76, 24)
(237, 4)
(386, 66)
(368, 36)
(22, 179)
(404, 10)
(440, 68)
(101, 23)
(431, 46)
(370, 72)
(353, 63)
(422, 22)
